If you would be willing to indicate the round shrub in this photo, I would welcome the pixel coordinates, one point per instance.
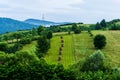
(94, 62)
(99, 41)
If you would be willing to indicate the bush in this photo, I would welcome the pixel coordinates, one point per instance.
(99, 41)
(25, 41)
(94, 63)
(17, 47)
(25, 56)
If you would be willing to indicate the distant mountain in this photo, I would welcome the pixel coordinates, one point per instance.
(43, 22)
(40, 22)
(10, 25)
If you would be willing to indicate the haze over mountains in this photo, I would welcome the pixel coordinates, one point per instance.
(9, 25)
(39, 22)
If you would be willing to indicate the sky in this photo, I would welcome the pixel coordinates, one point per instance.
(86, 11)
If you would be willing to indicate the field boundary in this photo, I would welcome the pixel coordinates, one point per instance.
(73, 46)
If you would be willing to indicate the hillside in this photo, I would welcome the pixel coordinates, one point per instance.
(78, 46)
(10, 25)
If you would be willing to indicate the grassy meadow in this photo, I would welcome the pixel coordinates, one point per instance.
(78, 46)
(112, 49)
(67, 52)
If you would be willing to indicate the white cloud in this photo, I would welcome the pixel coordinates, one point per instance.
(61, 10)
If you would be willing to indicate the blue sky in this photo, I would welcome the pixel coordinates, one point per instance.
(87, 11)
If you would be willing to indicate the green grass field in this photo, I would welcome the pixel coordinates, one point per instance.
(79, 46)
(112, 49)
(67, 53)
(83, 45)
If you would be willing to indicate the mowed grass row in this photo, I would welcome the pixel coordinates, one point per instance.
(112, 49)
(67, 52)
(83, 45)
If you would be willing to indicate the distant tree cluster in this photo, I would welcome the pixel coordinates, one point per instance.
(76, 29)
(101, 25)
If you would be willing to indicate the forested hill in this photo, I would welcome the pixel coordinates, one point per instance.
(39, 22)
(10, 25)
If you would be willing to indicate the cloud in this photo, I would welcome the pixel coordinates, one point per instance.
(61, 10)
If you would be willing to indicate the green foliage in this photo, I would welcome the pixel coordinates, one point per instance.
(16, 47)
(64, 74)
(69, 32)
(103, 23)
(97, 75)
(114, 27)
(94, 63)
(43, 44)
(98, 26)
(49, 35)
(77, 31)
(40, 30)
(25, 41)
(74, 26)
(89, 31)
(34, 32)
(6, 37)
(99, 41)
(17, 36)
(24, 66)
(3, 46)
(92, 27)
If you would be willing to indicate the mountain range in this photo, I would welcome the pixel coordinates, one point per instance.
(40, 22)
(10, 25)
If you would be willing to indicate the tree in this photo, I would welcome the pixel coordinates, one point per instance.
(94, 62)
(49, 35)
(6, 37)
(98, 26)
(74, 26)
(43, 45)
(114, 27)
(12, 37)
(17, 35)
(34, 32)
(103, 23)
(99, 41)
(40, 30)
